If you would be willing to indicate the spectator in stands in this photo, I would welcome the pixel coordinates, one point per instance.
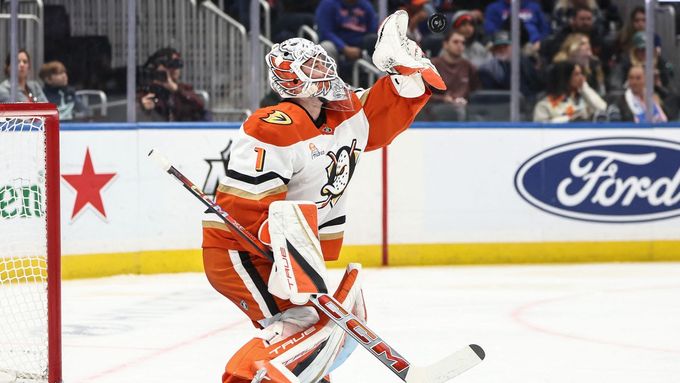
(495, 73)
(581, 22)
(344, 26)
(463, 22)
(534, 23)
(28, 90)
(636, 56)
(576, 49)
(54, 76)
(569, 97)
(635, 23)
(565, 10)
(162, 97)
(632, 104)
(458, 73)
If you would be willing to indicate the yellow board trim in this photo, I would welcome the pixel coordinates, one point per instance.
(145, 262)
(174, 261)
(542, 252)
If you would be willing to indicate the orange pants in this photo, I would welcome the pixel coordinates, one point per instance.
(243, 278)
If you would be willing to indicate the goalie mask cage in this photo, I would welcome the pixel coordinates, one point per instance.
(30, 272)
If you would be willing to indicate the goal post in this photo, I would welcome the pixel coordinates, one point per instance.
(30, 246)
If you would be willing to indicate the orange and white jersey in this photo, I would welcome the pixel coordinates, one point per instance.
(281, 153)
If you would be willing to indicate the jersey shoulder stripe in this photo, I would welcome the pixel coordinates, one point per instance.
(284, 124)
(255, 180)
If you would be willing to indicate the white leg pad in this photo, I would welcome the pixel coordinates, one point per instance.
(299, 269)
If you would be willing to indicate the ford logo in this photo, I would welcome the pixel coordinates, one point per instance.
(605, 180)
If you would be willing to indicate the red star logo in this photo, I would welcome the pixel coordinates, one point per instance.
(88, 186)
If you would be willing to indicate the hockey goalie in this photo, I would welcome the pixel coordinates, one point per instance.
(286, 178)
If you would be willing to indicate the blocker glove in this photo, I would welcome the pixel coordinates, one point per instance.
(397, 54)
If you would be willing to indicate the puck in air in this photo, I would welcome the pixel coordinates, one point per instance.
(436, 23)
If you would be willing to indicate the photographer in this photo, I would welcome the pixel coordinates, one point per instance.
(161, 96)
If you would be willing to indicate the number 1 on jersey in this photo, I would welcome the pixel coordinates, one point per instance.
(259, 163)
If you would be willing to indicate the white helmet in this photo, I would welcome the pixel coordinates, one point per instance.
(299, 68)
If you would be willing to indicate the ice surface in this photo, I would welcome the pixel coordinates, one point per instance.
(559, 323)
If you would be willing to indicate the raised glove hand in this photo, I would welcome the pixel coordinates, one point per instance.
(397, 54)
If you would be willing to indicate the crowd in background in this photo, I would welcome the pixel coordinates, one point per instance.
(581, 60)
(161, 96)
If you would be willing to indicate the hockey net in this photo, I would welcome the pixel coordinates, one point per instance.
(29, 244)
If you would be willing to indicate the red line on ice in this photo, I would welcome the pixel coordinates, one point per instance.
(161, 351)
(517, 315)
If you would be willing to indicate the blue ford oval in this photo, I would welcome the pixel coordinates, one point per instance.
(622, 179)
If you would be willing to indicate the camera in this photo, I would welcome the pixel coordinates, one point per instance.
(148, 79)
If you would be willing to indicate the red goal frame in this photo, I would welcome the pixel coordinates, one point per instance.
(52, 184)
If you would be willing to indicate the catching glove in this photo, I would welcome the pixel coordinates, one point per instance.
(397, 54)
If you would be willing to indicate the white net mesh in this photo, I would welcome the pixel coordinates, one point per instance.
(23, 251)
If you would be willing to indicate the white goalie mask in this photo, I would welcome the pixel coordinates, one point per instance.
(299, 68)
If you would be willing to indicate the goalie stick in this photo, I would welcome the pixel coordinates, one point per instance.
(442, 371)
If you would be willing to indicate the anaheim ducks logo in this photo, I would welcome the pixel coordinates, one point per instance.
(277, 117)
(339, 173)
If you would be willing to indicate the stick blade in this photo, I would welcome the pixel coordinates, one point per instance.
(447, 368)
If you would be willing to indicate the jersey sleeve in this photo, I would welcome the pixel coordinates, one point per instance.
(387, 112)
(257, 175)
